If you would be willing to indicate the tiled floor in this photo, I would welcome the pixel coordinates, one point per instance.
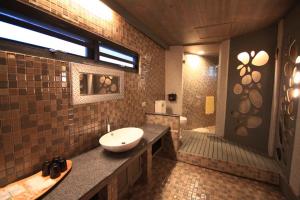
(177, 180)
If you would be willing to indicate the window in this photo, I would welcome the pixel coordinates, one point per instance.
(212, 71)
(20, 34)
(118, 55)
(19, 28)
(41, 33)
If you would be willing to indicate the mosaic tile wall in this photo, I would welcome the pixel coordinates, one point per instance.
(37, 120)
(116, 29)
(197, 84)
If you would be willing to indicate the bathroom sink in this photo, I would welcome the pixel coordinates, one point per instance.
(122, 139)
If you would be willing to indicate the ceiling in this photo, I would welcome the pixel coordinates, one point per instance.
(206, 50)
(186, 22)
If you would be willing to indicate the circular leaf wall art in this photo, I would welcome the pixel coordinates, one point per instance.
(249, 91)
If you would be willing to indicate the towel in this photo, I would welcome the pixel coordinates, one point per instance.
(209, 105)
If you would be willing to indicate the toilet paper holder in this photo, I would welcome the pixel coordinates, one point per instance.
(172, 97)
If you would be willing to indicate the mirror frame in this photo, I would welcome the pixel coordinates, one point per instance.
(78, 68)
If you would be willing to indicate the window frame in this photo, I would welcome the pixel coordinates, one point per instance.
(61, 29)
(42, 40)
(41, 27)
(120, 49)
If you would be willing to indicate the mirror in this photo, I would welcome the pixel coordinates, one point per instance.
(94, 83)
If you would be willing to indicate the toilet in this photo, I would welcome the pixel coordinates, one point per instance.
(183, 122)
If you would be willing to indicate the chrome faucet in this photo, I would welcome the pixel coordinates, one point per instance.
(107, 125)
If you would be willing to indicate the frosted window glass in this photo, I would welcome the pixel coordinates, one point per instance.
(115, 53)
(110, 60)
(20, 34)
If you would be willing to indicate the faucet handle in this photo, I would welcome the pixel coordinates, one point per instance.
(107, 125)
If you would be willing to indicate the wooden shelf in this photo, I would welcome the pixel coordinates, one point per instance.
(32, 187)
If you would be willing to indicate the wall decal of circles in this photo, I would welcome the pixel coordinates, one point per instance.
(249, 91)
(237, 89)
(255, 98)
(290, 109)
(291, 82)
(245, 106)
(289, 94)
(241, 131)
(246, 80)
(260, 59)
(293, 51)
(253, 121)
(256, 76)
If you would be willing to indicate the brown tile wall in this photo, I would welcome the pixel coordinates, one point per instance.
(37, 120)
(197, 84)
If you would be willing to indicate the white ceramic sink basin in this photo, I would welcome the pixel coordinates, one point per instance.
(122, 139)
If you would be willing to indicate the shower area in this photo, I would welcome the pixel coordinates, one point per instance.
(199, 91)
(242, 146)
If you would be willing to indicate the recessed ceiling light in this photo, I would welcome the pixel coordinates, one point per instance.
(193, 60)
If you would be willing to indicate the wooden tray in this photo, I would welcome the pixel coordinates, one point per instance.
(31, 187)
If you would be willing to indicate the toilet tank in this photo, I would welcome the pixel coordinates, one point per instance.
(160, 106)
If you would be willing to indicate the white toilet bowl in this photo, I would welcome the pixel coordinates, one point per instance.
(183, 122)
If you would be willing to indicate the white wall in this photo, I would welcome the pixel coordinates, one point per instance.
(222, 87)
(173, 67)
